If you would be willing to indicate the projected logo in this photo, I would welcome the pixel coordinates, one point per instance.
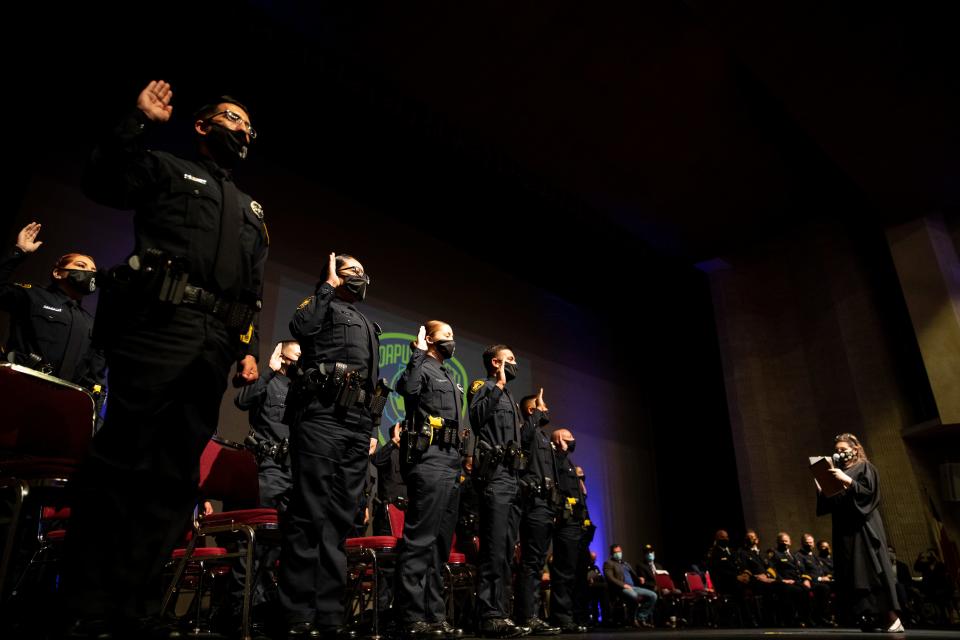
(394, 356)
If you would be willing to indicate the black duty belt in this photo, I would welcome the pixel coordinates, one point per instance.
(335, 382)
(235, 315)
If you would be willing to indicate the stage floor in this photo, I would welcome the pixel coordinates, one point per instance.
(771, 634)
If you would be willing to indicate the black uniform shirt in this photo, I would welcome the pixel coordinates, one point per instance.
(266, 400)
(809, 564)
(567, 478)
(723, 564)
(428, 389)
(331, 330)
(178, 204)
(390, 484)
(784, 564)
(540, 454)
(494, 415)
(49, 323)
(751, 560)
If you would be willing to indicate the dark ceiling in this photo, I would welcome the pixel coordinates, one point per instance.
(647, 128)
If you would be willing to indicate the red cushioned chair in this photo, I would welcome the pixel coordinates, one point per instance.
(699, 597)
(45, 431)
(366, 556)
(460, 579)
(228, 472)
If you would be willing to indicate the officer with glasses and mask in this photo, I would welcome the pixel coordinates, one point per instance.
(172, 321)
(337, 399)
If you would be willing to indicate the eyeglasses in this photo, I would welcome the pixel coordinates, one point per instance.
(354, 271)
(235, 117)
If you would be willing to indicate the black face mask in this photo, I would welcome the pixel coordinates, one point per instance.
(357, 287)
(228, 147)
(782, 547)
(824, 553)
(571, 445)
(808, 548)
(445, 348)
(510, 370)
(83, 282)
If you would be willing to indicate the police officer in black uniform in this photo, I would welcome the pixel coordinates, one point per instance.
(495, 421)
(338, 401)
(430, 459)
(172, 322)
(790, 587)
(567, 534)
(815, 579)
(540, 497)
(391, 487)
(269, 439)
(50, 330)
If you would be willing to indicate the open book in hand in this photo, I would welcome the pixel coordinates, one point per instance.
(820, 467)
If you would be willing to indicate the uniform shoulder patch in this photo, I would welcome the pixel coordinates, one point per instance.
(257, 209)
(305, 302)
(475, 386)
(25, 285)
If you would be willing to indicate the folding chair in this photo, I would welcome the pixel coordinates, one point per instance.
(228, 472)
(697, 593)
(45, 432)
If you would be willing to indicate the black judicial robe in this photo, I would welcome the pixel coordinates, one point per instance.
(861, 559)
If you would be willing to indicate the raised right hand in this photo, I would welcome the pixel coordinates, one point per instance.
(26, 239)
(501, 375)
(422, 339)
(332, 278)
(275, 361)
(154, 101)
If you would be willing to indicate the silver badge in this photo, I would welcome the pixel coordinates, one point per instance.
(256, 208)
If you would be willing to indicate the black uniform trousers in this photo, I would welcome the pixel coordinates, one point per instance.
(499, 513)
(329, 450)
(536, 528)
(134, 495)
(433, 491)
(566, 545)
(583, 612)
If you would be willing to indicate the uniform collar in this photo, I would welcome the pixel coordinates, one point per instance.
(55, 289)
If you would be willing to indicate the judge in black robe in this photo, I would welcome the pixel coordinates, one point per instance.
(865, 579)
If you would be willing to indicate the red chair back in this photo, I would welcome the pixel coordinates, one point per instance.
(694, 581)
(228, 472)
(664, 581)
(396, 520)
(42, 415)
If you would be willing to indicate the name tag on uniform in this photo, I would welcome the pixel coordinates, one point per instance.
(48, 308)
(187, 176)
